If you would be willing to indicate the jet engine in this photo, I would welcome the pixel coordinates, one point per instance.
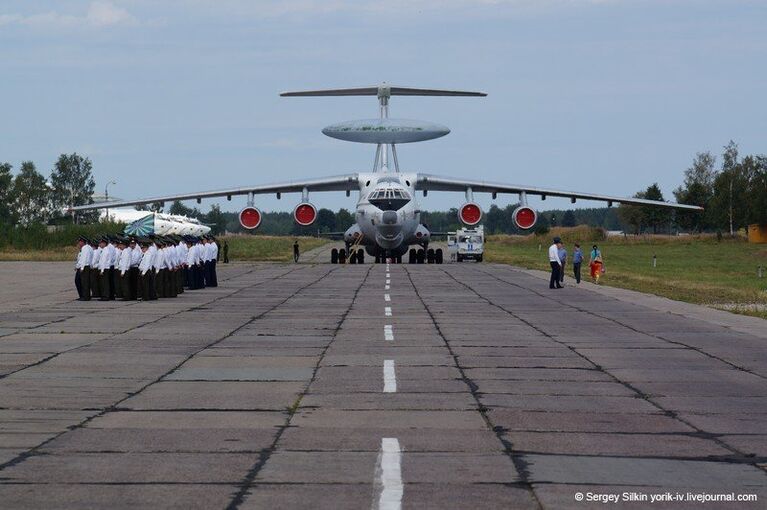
(250, 217)
(524, 217)
(470, 213)
(305, 214)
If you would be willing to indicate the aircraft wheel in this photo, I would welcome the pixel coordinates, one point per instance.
(334, 256)
(438, 256)
(342, 256)
(360, 256)
(421, 256)
(411, 256)
(458, 258)
(430, 256)
(352, 257)
(479, 258)
(399, 259)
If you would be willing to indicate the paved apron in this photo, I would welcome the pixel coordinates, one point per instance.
(314, 386)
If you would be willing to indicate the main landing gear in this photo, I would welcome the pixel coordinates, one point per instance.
(427, 255)
(341, 256)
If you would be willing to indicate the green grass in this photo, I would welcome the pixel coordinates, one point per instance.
(695, 269)
(256, 248)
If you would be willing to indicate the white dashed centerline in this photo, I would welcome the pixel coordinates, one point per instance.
(390, 377)
(387, 297)
(389, 475)
(387, 311)
(387, 287)
(388, 333)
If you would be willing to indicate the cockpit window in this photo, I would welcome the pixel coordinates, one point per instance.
(389, 199)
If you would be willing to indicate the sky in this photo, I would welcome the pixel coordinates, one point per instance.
(178, 96)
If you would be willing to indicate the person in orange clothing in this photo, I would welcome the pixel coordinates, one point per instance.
(595, 264)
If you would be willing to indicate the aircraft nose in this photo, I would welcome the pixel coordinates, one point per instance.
(389, 217)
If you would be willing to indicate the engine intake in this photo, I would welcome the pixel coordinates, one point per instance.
(470, 213)
(305, 214)
(524, 217)
(250, 217)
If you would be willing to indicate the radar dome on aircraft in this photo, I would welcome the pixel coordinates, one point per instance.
(385, 130)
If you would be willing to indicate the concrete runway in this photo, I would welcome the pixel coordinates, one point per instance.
(316, 386)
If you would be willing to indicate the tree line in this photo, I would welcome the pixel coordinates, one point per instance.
(28, 198)
(733, 194)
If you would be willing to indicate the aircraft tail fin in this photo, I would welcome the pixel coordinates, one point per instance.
(382, 91)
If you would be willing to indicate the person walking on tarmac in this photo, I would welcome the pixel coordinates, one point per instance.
(226, 252)
(296, 253)
(83, 269)
(556, 264)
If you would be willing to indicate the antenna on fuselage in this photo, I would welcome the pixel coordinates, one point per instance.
(384, 132)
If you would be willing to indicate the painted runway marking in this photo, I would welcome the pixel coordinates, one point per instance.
(389, 475)
(387, 297)
(387, 311)
(390, 377)
(388, 275)
(388, 333)
(388, 281)
(387, 287)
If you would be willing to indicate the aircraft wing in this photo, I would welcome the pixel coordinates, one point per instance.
(347, 182)
(428, 182)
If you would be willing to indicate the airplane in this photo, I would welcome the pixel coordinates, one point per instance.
(148, 222)
(388, 217)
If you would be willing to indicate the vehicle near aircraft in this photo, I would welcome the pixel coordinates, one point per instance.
(467, 243)
(388, 217)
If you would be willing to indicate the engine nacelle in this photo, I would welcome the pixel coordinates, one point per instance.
(305, 214)
(470, 213)
(250, 217)
(524, 217)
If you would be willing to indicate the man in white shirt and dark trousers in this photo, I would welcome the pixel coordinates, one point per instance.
(83, 269)
(556, 264)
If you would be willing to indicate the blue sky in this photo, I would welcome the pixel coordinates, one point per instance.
(182, 95)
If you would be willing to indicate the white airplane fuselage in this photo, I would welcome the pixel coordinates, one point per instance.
(388, 218)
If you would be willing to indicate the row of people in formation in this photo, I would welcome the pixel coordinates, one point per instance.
(144, 268)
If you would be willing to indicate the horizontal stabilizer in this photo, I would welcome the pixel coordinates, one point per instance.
(382, 91)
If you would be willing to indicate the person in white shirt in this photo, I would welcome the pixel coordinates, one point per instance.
(95, 277)
(105, 260)
(146, 273)
(213, 257)
(180, 265)
(123, 269)
(83, 269)
(135, 260)
(158, 264)
(191, 265)
(114, 272)
(556, 263)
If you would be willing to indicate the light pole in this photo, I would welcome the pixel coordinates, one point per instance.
(106, 194)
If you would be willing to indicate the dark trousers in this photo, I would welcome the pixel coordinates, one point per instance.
(200, 272)
(170, 283)
(295, 256)
(112, 282)
(152, 284)
(226, 256)
(82, 284)
(95, 282)
(180, 280)
(104, 284)
(577, 271)
(562, 272)
(133, 277)
(124, 285)
(212, 276)
(554, 281)
(145, 286)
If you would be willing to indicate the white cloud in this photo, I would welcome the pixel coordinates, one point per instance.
(99, 14)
